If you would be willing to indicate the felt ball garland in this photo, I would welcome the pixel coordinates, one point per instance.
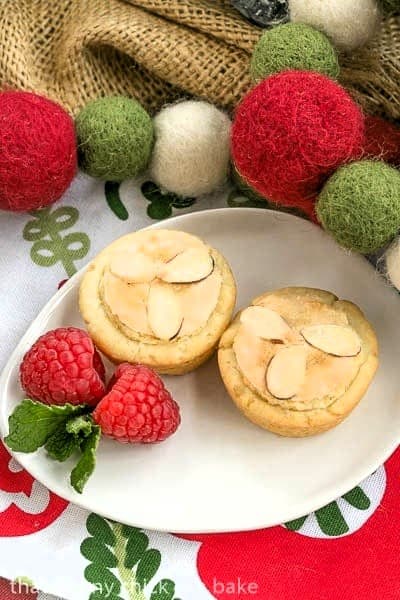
(293, 46)
(291, 132)
(115, 138)
(191, 152)
(348, 23)
(382, 140)
(360, 205)
(37, 151)
(298, 140)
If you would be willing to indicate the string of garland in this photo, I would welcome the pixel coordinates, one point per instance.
(290, 140)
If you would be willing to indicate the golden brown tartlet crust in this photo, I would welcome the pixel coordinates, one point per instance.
(287, 418)
(174, 357)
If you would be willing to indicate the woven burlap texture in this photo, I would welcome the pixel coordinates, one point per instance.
(158, 51)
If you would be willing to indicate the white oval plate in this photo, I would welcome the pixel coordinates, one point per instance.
(220, 472)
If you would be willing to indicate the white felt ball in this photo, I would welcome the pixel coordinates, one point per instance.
(392, 263)
(191, 151)
(349, 23)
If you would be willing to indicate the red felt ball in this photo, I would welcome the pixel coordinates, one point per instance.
(38, 153)
(291, 132)
(382, 140)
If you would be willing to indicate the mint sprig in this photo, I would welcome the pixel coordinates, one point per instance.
(61, 444)
(62, 430)
(32, 423)
(87, 462)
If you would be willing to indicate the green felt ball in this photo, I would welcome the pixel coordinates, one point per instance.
(293, 46)
(360, 205)
(115, 138)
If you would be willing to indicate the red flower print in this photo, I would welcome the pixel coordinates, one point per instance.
(284, 564)
(25, 505)
(14, 591)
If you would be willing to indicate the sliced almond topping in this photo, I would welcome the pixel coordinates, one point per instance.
(134, 267)
(127, 302)
(286, 372)
(265, 323)
(191, 265)
(329, 377)
(164, 311)
(199, 301)
(333, 339)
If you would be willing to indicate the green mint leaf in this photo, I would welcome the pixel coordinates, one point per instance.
(32, 423)
(86, 464)
(61, 444)
(81, 426)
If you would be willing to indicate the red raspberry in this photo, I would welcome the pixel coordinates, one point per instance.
(63, 366)
(137, 407)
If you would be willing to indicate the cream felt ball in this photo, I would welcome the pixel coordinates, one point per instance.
(349, 23)
(392, 263)
(191, 150)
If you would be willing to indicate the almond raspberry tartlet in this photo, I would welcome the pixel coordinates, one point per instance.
(162, 298)
(298, 360)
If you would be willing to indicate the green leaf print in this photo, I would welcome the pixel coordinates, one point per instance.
(147, 567)
(330, 518)
(238, 198)
(120, 556)
(100, 529)
(164, 590)
(135, 547)
(104, 595)
(96, 573)
(49, 246)
(98, 553)
(296, 524)
(161, 204)
(113, 199)
(357, 498)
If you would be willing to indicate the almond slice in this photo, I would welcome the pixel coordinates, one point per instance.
(191, 265)
(265, 323)
(286, 372)
(133, 267)
(127, 302)
(337, 340)
(164, 311)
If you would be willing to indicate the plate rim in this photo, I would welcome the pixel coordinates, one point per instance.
(68, 494)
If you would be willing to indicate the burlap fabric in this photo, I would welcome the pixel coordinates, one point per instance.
(159, 50)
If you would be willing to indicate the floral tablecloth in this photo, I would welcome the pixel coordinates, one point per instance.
(349, 549)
